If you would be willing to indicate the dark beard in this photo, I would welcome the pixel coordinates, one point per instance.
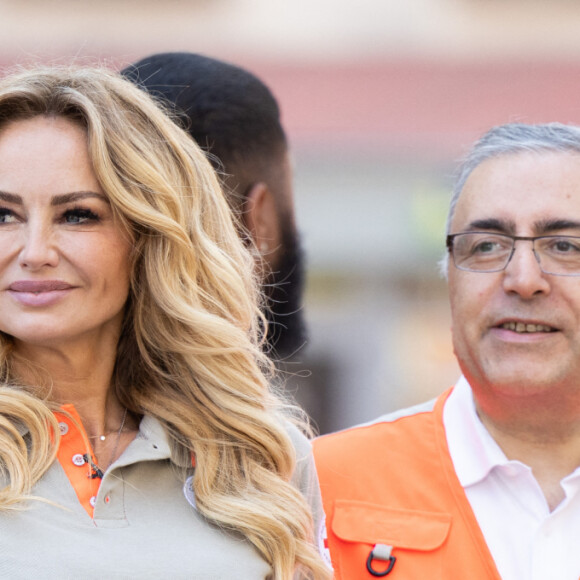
(286, 326)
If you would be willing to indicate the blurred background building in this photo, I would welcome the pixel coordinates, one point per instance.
(381, 98)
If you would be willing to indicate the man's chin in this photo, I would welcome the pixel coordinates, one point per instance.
(287, 333)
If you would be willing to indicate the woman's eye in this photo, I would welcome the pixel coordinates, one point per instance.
(6, 216)
(77, 216)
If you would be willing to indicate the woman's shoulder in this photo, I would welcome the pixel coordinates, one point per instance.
(300, 441)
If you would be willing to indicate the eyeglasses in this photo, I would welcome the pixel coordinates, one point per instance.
(488, 252)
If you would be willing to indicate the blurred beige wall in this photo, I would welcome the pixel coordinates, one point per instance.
(305, 30)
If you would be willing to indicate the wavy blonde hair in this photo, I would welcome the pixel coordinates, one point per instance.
(189, 351)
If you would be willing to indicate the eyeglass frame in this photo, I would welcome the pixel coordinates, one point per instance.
(449, 244)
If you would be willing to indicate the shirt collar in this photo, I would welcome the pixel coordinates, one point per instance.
(152, 443)
(473, 450)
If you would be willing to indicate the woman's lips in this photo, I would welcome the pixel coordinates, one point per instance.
(38, 285)
(39, 292)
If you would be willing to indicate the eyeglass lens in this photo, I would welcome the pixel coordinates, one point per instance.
(485, 252)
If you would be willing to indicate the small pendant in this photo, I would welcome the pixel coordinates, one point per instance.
(102, 437)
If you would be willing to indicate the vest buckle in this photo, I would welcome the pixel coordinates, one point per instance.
(381, 552)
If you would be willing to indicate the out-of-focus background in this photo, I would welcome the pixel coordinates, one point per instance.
(380, 99)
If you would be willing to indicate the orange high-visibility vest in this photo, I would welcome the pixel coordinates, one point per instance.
(393, 501)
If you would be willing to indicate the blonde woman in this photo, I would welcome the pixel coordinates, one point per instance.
(138, 434)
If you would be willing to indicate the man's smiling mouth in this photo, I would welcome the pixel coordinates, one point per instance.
(523, 327)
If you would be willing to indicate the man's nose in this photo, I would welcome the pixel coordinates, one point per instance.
(523, 274)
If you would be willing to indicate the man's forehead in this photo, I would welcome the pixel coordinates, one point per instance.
(530, 187)
(510, 161)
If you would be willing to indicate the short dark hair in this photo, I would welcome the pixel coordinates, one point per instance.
(227, 110)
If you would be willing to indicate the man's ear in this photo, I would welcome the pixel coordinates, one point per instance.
(262, 221)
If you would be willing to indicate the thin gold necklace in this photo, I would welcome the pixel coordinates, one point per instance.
(104, 436)
(96, 470)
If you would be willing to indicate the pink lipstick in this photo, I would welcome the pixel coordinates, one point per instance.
(39, 292)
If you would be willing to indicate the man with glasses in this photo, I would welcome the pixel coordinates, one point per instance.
(484, 482)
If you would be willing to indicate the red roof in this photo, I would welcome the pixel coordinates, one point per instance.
(418, 109)
(433, 109)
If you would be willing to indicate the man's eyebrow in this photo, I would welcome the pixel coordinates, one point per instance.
(546, 226)
(493, 224)
(555, 225)
(76, 196)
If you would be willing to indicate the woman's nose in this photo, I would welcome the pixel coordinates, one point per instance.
(38, 248)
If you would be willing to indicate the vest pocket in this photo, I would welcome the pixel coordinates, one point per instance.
(361, 530)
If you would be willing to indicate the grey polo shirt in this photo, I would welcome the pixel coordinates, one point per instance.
(144, 523)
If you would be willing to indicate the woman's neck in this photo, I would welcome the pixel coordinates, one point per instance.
(79, 376)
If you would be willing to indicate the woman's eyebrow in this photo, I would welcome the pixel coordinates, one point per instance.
(57, 199)
(10, 198)
(75, 196)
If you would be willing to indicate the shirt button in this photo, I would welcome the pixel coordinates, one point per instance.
(63, 428)
(93, 500)
(78, 459)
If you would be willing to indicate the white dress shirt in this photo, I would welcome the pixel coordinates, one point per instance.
(527, 542)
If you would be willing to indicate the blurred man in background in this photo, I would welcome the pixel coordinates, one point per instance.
(235, 118)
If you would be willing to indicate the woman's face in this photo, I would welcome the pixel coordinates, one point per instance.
(64, 261)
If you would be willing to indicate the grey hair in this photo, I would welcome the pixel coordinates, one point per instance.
(505, 140)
